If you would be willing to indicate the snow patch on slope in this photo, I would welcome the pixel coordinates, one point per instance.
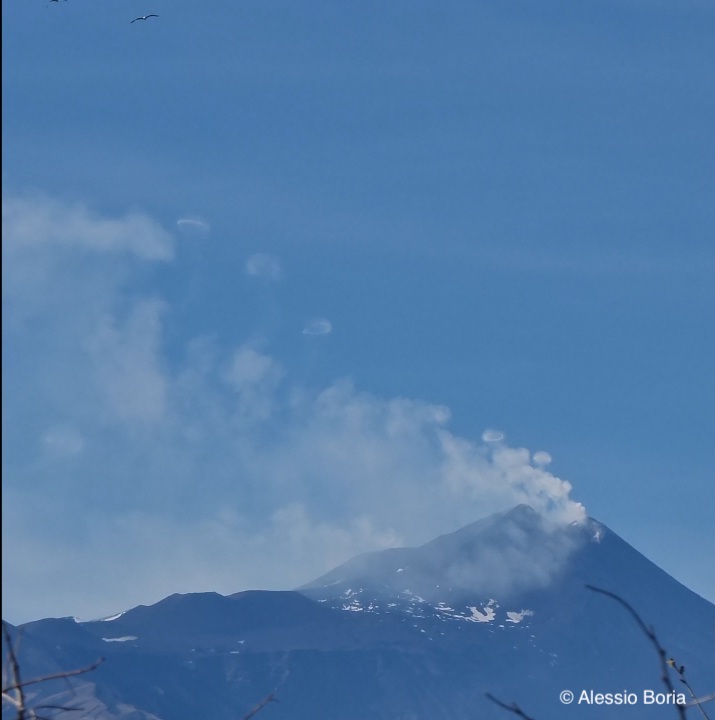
(517, 617)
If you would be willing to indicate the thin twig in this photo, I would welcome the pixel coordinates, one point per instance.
(17, 685)
(14, 691)
(513, 708)
(680, 669)
(650, 634)
(697, 702)
(56, 676)
(266, 700)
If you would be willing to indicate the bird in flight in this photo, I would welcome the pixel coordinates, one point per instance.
(143, 17)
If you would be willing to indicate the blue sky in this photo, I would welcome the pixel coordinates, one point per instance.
(271, 270)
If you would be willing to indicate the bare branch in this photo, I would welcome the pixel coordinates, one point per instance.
(56, 676)
(14, 691)
(17, 685)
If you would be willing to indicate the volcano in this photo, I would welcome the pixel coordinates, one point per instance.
(501, 606)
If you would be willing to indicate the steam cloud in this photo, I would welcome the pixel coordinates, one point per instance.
(524, 558)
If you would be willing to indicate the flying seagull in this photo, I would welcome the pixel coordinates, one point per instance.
(143, 17)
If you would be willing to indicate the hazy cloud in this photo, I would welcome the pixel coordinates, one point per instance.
(126, 357)
(255, 377)
(29, 222)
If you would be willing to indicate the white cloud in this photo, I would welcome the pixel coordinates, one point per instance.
(29, 222)
(63, 258)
